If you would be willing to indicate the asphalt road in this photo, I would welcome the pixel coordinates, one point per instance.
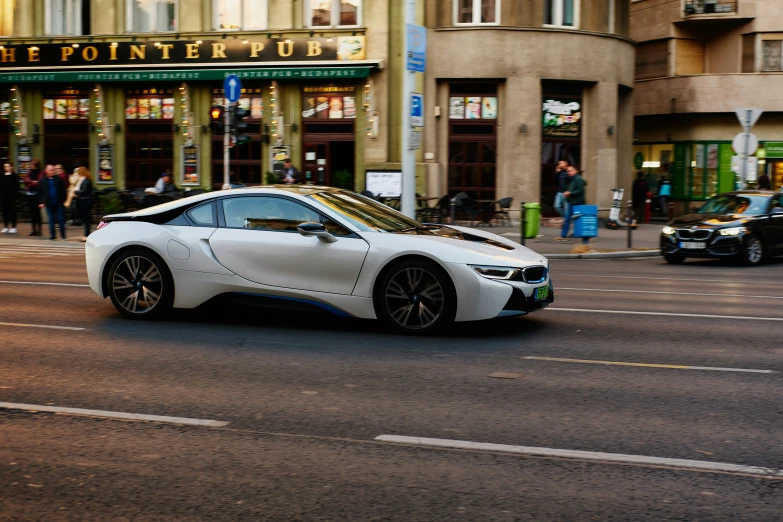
(306, 396)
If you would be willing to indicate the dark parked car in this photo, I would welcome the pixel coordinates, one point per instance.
(744, 225)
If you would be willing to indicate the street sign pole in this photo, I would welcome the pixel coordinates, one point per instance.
(226, 145)
(232, 90)
(408, 196)
(747, 118)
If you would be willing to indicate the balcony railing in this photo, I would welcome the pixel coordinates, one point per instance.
(708, 7)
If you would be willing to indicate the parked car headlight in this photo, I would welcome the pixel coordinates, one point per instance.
(668, 231)
(734, 231)
(496, 272)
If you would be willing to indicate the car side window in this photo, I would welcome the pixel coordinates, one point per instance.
(267, 213)
(777, 202)
(203, 215)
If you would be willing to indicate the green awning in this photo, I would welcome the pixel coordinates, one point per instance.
(271, 73)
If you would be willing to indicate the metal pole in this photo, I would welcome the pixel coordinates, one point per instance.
(226, 144)
(522, 222)
(408, 197)
(630, 229)
(744, 155)
(453, 208)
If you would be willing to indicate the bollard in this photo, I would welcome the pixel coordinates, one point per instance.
(453, 207)
(522, 223)
(630, 229)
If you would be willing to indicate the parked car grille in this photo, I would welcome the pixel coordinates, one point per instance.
(698, 234)
(534, 274)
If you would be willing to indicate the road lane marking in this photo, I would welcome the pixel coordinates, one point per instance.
(584, 455)
(114, 415)
(646, 365)
(582, 275)
(669, 314)
(45, 326)
(560, 289)
(43, 283)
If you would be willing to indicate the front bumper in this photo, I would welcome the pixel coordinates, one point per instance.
(520, 304)
(717, 247)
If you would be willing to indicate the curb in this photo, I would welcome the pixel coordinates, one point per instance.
(605, 255)
(40, 243)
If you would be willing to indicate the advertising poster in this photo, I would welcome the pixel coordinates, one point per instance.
(387, 184)
(131, 109)
(168, 108)
(73, 109)
(278, 156)
(712, 156)
(156, 109)
(562, 118)
(349, 107)
(699, 156)
(61, 109)
(256, 108)
(84, 108)
(48, 109)
(105, 164)
(24, 159)
(336, 108)
(489, 108)
(351, 48)
(144, 108)
(190, 170)
(322, 107)
(473, 108)
(457, 108)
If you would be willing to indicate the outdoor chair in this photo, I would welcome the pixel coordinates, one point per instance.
(500, 211)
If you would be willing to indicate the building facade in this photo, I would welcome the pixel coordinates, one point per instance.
(127, 86)
(698, 61)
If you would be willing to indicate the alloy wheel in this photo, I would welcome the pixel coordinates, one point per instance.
(414, 298)
(137, 284)
(754, 250)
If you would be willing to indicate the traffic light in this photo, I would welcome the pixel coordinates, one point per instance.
(238, 125)
(217, 122)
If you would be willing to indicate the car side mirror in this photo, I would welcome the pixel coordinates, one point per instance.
(315, 230)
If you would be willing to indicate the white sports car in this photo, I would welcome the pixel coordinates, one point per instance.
(306, 246)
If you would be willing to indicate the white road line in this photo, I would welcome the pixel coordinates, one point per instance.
(666, 293)
(582, 276)
(114, 415)
(584, 455)
(43, 283)
(644, 365)
(46, 326)
(669, 314)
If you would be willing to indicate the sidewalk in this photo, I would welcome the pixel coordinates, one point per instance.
(73, 235)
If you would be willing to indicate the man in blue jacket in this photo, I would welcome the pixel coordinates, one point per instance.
(52, 191)
(574, 195)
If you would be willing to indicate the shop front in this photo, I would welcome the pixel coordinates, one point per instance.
(561, 136)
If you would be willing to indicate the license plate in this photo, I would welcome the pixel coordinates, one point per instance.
(696, 245)
(542, 293)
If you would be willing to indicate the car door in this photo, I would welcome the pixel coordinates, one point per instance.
(258, 240)
(775, 224)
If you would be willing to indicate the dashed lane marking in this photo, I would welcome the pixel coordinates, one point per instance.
(585, 455)
(113, 415)
(560, 289)
(670, 314)
(582, 276)
(645, 365)
(44, 326)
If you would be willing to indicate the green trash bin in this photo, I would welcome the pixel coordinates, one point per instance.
(532, 220)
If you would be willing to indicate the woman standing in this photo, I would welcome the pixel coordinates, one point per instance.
(9, 190)
(84, 193)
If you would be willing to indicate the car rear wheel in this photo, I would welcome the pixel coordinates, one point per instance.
(753, 252)
(416, 297)
(674, 259)
(140, 285)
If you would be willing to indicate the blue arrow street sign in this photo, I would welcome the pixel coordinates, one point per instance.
(233, 88)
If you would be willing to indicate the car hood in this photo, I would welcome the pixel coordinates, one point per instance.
(470, 247)
(709, 220)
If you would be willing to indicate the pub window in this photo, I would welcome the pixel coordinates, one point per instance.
(240, 14)
(149, 104)
(561, 13)
(333, 13)
(476, 12)
(66, 130)
(67, 17)
(7, 17)
(150, 16)
(66, 108)
(329, 103)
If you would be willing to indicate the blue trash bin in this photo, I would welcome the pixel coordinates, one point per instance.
(585, 221)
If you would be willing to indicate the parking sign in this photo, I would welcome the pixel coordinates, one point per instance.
(417, 110)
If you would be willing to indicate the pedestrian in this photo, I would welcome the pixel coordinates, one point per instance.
(53, 197)
(664, 191)
(70, 207)
(9, 190)
(60, 171)
(763, 182)
(290, 174)
(561, 180)
(164, 185)
(84, 193)
(574, 196)
(639, 196)
(31, 184)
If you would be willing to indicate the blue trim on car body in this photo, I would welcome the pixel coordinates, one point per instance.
(323, 306)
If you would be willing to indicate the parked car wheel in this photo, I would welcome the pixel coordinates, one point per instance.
(416, 297)
(140, 285)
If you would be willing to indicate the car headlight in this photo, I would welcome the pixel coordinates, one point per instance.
(668, 231)
(504, 273)
(734, 231)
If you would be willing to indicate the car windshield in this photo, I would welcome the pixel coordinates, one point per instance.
(735, 204)
(366, 214)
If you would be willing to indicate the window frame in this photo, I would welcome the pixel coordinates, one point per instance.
(476, 14)
(216, 17)
(71, 8)
(129, 20)
(335, 9)
(557, 15)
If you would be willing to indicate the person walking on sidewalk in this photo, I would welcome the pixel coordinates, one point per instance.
(574, 195)
(9, 190)
(639, 196)
(31, 185)
(84, 193)
(561, 180)
(664, 191)
(53, 196)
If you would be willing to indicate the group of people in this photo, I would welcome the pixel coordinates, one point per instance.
(640, 191)
(570, 193)
(50, 190)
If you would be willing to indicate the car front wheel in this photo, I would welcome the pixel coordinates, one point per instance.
(753, 252)
(140, 285)
(416, 297)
